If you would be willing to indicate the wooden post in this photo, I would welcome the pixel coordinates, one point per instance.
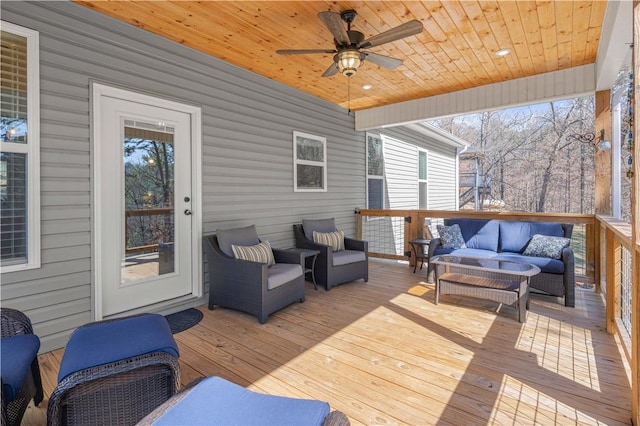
(635, 225)
(358, 225)
(603, 158)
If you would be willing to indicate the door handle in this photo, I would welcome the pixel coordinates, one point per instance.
(187, 212)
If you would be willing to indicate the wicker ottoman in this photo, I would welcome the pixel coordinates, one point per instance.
(115, 372)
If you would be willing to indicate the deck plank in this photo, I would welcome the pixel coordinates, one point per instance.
(383, 353)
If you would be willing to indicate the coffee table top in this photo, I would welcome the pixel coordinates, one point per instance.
(508, 267)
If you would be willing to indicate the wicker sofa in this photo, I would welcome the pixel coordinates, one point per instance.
(508, 240)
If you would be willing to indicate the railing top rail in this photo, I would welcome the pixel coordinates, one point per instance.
(529, 216)
(148, 212)
(622, 230)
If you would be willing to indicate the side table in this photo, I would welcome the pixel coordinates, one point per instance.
(307, 256)
(418, 246)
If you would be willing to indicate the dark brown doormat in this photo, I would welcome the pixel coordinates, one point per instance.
(181, 321)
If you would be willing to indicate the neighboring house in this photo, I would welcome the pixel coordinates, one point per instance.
(232, 132)
(403, 174)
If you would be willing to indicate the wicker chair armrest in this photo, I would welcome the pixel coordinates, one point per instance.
(336, 418)
(433, 246)
(285, 256)
(14, 322)
(324, 249)
(353, 244)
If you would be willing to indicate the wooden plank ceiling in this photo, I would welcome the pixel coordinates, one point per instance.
(455, 51)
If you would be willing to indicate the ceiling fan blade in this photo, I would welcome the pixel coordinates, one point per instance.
(401, 31)
(383, 61)
(332, 70)
(303, 51)
(333, 22)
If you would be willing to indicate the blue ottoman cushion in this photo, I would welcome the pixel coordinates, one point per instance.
(105, 342)
(216, 401)
(17, 354)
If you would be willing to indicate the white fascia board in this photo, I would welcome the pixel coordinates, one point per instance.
(614, 50)
(555, 85)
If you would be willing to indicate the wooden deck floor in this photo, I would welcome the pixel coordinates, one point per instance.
(383, 353)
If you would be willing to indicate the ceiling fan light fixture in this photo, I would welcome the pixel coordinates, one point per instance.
(348, 62)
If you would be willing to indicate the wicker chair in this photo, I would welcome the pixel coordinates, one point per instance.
(330, 270)
(15, 323)
(115, 372)
(227, 403)
(247, 286)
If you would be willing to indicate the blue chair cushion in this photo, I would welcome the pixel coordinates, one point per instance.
(105, 342)
(216, 401)
(478, 233)
(318, 225)
(514, 236)
(17, 354)
(345, 257)
(247, 236)
(282, 273)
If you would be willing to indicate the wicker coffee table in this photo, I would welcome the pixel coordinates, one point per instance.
(502, 281)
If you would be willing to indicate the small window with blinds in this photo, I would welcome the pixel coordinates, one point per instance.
(375, 172)
(19, 149)
(422, 180)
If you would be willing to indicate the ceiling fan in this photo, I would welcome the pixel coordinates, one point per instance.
(350, 44)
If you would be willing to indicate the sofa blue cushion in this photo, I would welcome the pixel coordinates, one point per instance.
(467, 252)
(218, 401)
(17, 354)
(318, 225)
(246, 236)
(547, 265)
(282, 273)
(105, 342)
(478, 233)
(514, 236)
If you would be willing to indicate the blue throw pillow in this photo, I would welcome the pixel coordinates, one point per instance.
(546, 246)
(451, 237)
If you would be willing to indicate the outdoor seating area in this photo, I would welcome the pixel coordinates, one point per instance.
(385, 353)
(544, 244)
(249, 275)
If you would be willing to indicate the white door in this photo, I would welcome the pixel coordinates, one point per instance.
(144, 217)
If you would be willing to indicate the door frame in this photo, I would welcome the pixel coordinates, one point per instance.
(97, 91)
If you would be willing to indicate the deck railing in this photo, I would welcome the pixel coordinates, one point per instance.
(128, 214)
(617, 274)
(602, 248)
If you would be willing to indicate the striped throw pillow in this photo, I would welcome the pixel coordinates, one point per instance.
(260, 253)
(334, 239)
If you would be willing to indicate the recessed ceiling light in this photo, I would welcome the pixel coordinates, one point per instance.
(367, 86)
(503, 52)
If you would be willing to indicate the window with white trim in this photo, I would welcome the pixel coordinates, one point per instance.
(19, 149)
(375, 172)
(309, 163)
(423, 194)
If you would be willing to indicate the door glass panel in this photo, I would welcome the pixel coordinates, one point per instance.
(148, 201)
